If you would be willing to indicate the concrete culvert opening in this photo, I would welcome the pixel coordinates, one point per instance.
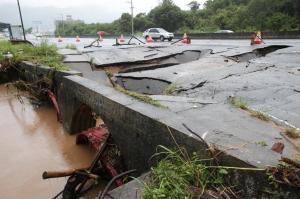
(83, 119)
(108, 162)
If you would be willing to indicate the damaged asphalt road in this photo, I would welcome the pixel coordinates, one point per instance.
(266, 77)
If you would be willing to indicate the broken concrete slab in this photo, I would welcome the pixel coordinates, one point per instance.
(65, 51)
(255, 80)
(141, 54)
(181, 99)
(76, 58)
(81, 67)
(132, 189)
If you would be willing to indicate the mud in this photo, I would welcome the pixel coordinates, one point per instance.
(32, 141)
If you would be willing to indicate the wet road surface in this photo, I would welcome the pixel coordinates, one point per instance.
(31, 142)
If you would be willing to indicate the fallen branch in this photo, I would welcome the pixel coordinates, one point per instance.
(291, 162)
(59, 174)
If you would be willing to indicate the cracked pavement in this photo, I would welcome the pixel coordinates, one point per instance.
(266, 77)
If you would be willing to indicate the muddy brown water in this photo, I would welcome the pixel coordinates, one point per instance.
(31, 142)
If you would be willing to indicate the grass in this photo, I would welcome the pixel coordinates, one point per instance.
(292, 133)
(261, 143)
(239, 103)
(42, 53)
(177, 177)
(242, 104)
(141, 97)
(171, 89)
(259, 115)
(71, 46)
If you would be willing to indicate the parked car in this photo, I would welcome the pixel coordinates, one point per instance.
(224, 31)
(158, 33)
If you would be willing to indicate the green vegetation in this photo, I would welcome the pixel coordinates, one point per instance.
(171, 89)
(261, 143)
(139, 96)
(259, 115)
(292, 132)
(71, 46)
(175, 176)
(242, 104)
(236, 15)
(239, 103)
(41, 54)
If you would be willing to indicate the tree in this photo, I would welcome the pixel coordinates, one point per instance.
(167, 15)
(142, 22)
(280, 22)
(237, 15)
(194, 5)
(125, 23)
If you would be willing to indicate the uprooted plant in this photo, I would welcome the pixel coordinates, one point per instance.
(36, 89)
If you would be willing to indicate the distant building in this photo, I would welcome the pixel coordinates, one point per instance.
(67, 20)
(61, 23)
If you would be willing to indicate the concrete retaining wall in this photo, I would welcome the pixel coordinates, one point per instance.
(137, 134)
(244, 35)
(138, 128)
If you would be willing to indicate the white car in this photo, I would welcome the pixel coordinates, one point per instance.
(224, 31)
(158, 33)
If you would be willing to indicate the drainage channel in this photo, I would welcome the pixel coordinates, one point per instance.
(33, 141)
(36, 146)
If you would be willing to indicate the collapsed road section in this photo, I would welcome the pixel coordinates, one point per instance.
(242, 114)
(197, 95)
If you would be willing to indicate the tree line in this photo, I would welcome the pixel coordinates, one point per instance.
(236, 15)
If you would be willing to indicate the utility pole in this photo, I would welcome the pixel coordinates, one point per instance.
(132, 24)
(63, 24)
(21, 20)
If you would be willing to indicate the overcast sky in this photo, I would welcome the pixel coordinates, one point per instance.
(90, 11)
(118, 5)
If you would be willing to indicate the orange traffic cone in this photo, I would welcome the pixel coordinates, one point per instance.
(59, 39)
(186, 39)
(77, 39)
(258, 39)
(149, 39)
(121, 39)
